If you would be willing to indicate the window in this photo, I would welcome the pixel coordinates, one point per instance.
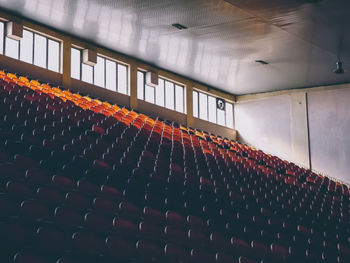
(205, 107)
(99, 72)
(2, 31)
(122, 79)
(53, 62)
(75, 63)
(169, 95)
(166, 94)
(33, 48)
(11, 48)
(160, 98)
(106, 73)
(40, 46)
(111, 73)
(26, 50)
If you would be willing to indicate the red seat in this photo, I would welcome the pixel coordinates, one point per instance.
(119, 248)
(175, 253)
(27, 257)
(87, 243)
(125, 227)
(200, 256)
(149, 251)
(34, 210)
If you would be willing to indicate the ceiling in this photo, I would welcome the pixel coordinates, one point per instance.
(300, 40)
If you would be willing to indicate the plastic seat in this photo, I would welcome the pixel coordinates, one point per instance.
(18, 190)
(120, 249)
(88, 244)
(174, 253)
(77, 201)
(200, 256)
(129, 210)
(98, 222)
(27, 257)
(52, 239)
(150, 231)
(34, 210)
(175, 235)
(125, 227)
(68, 217)
(149, 251)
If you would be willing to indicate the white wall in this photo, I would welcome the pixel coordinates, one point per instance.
(265, 124)
(329, 125)
(312, 132)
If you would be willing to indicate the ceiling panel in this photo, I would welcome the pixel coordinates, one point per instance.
(300, 40)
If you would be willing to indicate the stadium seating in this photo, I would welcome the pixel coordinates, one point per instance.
(83, 180)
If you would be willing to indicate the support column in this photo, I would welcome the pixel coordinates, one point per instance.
(189, 103)
(66, 63)
(299, 129)
(133, 86)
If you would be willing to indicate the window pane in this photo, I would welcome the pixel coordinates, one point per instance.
(160, 93)
(203, 106)
(99, 72)
(169, 95)
(111, 75)
(149, 94)
(221, 117)
(212, 109)
(140, 84)
(54, 56)
(179, 98)
(122, 79)
(195, 103)
(86, 73)
(40, 51)
(26, 47)
(75, 63)
(11, 49)
(1, 38)
(229, 115)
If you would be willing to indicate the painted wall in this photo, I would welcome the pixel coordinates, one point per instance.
(265, 124)
(329, 125)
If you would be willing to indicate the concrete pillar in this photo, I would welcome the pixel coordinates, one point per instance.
(133, 85)
(299, 129)
(189, 103)
(66, 63)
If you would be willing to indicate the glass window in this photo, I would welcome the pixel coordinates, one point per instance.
(149, 94)
(229, 115)
(99, 72)
(26, 47)
(11, 47)
(122, 79)
(212, 109)
(86, 73)
(169, 95)
(203, 106)
(2, 31)
(140, 84)
(75, 63)
(160, 93)
(111, 75)
(40, 50)
(53, 62)
(179, 98)
(221, 117)
(195, 103)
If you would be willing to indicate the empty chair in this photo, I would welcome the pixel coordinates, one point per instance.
(198, 255)
(119, 248)
(104, 206)
(175, 235)
(225, 258)
(87, 243)
(67, 217)
(98, 222)
(149, 251)
(150, 231)
(33, 210)
(52, 239)
(175, 253)
(28, 257)
(129, 210)
(50, 196)
(77, 201)
(125, 227)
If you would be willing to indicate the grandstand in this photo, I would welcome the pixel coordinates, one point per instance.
(105, 157)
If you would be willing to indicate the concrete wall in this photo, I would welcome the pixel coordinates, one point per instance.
(329, 122)
(309, 127)
(265, 124)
